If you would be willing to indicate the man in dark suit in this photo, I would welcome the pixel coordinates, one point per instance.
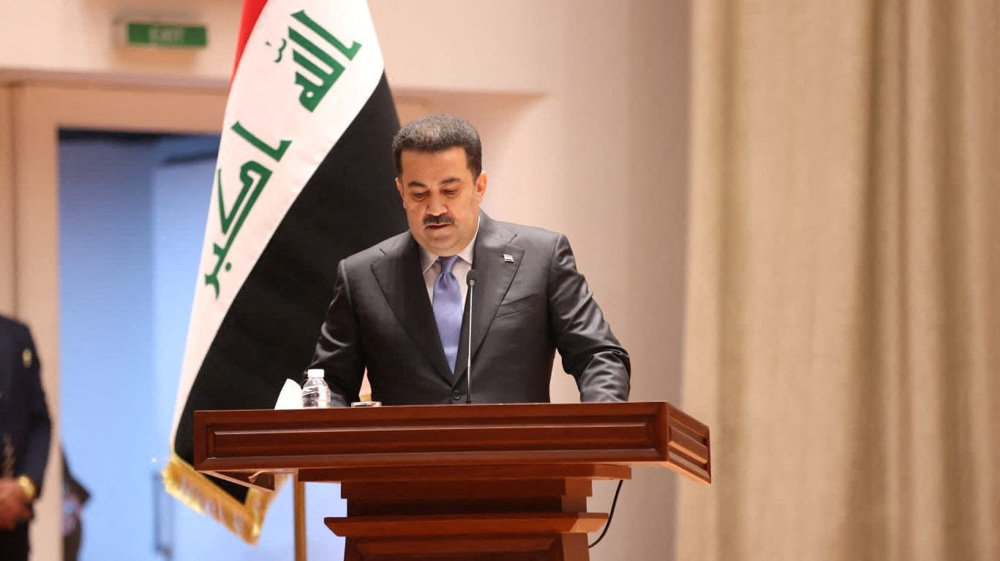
(25, 431)
(400, 308)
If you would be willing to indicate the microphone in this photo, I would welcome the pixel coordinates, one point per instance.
(470, 279)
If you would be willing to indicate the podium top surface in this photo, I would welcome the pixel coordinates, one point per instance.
(484, 437)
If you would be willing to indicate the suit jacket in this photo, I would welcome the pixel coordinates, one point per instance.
(529, 300)
(24, 416)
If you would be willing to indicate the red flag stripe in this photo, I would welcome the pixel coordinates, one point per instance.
(251, 11)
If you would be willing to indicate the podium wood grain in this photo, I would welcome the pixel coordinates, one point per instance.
(456, 482)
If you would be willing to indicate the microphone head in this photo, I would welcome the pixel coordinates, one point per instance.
(470, 278)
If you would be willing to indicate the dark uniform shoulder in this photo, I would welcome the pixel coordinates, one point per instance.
(12, 325)
(19, 336)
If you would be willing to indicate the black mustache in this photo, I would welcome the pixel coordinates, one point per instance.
(436, 220)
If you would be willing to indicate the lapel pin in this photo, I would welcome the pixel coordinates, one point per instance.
(508, 258)
(27, 358)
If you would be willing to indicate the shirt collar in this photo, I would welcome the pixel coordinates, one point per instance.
(427, 259)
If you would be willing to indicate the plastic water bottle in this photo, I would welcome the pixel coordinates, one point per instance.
(315, 392)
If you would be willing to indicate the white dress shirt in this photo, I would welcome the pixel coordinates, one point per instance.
(432, 268)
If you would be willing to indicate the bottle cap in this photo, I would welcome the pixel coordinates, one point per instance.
(315, 373)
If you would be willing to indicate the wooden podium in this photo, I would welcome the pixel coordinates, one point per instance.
(456, 482)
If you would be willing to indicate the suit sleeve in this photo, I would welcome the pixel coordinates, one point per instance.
(589, 351)
(36, 454)
(338, 351)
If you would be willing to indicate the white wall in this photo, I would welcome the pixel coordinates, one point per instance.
(77, 37)
(583, 110)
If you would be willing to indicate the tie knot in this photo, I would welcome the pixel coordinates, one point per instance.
(447, 263)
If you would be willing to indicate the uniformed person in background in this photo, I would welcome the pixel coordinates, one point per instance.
(25, 432)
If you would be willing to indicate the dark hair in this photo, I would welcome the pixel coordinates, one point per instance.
(435, 133)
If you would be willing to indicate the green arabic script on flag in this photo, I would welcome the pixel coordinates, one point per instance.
(253, 177)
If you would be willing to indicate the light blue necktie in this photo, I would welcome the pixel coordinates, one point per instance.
(448, 309)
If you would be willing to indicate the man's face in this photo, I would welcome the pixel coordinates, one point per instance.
(441, 198)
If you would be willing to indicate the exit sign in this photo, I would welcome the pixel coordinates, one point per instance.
(170, 35)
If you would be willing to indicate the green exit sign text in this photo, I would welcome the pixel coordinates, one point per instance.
(142, 34)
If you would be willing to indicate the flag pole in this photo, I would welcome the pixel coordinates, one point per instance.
(299, 498)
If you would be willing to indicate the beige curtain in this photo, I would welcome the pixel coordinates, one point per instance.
(843, 317)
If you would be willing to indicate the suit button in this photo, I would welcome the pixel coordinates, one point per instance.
(455, 395)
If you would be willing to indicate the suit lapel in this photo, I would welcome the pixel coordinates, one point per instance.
(401, 280)
(495, 274)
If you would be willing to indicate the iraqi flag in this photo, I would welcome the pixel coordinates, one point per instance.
(304, 179)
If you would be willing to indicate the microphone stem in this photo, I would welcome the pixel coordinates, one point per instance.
(468, 370)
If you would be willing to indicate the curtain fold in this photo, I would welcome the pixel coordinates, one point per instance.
(843, 311)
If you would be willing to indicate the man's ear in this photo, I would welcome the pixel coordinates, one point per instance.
(399, 187)
(481, 183)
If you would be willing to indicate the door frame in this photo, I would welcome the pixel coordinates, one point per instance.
(31, 115)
